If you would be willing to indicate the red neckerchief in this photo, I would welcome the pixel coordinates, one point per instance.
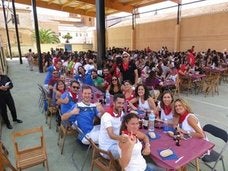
(73, 95)
(111, 112)
(125, 66)
(167, 109)
(128, 133)
(61, 91)
(130, 97)
(183, 116)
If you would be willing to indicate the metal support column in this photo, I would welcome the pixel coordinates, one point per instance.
(100, 18)
(40, 61)
(177, 37)
(178, 13)
(17, 33)
(133, 31)
(7, 30)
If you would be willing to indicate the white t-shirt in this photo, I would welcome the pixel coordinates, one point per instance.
(137, 162)
(107, 120)
(145, 105)
(163, 115)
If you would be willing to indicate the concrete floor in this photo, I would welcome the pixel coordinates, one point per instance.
(212, 110)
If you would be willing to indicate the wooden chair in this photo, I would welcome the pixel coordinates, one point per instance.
(185, 83)
(65, 129)
(4, 161)
(100, 162)
(45, 103)
(32, 156)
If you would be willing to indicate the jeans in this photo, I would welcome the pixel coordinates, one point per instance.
(152, 167)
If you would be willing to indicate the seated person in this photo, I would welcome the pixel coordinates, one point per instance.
(69, 98)
(83, 77)
(110, 126)
(130, 147)
(115, 86)
(189, 123)
(85, 112)
(50, 69)
(154, 83)
(52, 82)
(144, 100)
(97, 80)
(166, 106)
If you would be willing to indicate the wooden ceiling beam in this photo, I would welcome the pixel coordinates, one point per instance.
(58, 7)
(67, 3)
(149, 3)
(119, 6)
(113, 5)
(50, 2)
(177, 1)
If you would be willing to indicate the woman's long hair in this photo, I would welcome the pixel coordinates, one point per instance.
(112, 85)
(185, 104)
(60, 81)
(164, 93)
(147, 93)
(126, 119)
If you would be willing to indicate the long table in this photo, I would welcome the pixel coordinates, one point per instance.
(189, 150)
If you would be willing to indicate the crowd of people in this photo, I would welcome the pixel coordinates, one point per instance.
(123, 75)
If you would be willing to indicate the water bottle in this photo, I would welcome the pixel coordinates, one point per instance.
(151, 122)
(107, 98)
(165, 125)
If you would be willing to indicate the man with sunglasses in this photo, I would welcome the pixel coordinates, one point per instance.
(69, 98)
(85, 113)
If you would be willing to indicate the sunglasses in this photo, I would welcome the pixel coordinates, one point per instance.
(114, 79)
(75, 87)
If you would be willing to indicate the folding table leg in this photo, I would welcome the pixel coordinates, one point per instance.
(197, 164)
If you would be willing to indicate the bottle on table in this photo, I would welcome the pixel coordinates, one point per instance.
(165, 125)
(107, 98)
(145, 121)
(151, 121)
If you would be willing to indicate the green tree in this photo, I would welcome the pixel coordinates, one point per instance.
(67, 37)
(48, 36)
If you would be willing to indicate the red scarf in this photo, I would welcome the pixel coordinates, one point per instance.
(73, 95)
(167, 109)
(61, 91)
(112, 113)
(183, 116)
(125, 66)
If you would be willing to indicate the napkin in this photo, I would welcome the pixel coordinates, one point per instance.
(171, 157)
(157, 136)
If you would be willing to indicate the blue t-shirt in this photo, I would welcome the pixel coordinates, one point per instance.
(48, 77)
(85, 80)
(66, 107)
(86, 117)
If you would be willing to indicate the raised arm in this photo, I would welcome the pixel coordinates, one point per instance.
(131, 102)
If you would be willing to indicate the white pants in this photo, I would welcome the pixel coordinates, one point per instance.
(93, 134)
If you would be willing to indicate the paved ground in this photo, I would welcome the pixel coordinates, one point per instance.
(212, 110)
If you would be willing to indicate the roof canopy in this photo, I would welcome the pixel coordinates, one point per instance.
(88, 7)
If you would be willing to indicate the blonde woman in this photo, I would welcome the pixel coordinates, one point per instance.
(189, 123)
